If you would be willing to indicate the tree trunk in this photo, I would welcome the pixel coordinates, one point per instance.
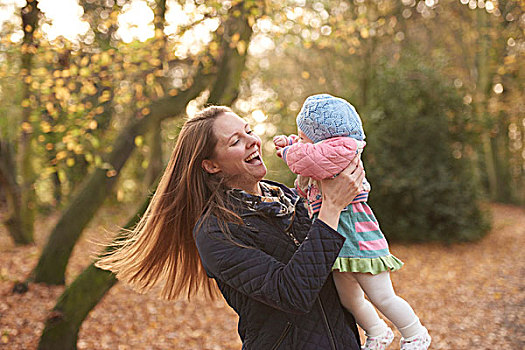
(480, 101)
(235, 41)
(366, 78)
(52, 136)
(57, 189)
(506, 190)
(155, 154)
(29, 14)
(63, 324)
(155, 137)
(73, 306)
(13, 195)
(501, 158)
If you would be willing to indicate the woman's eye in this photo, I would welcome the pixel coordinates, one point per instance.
(249, 132)
(236, 142)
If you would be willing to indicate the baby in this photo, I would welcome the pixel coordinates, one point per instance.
(330, 135)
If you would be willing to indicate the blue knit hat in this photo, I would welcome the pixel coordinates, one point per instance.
(323, 116)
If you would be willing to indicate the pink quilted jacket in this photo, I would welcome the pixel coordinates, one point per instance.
(322, 160)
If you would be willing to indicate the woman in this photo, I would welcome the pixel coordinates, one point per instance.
(253, 237)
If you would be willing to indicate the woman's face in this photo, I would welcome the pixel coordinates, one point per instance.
(237, 153)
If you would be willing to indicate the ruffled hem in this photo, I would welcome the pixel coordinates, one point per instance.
(368, 265)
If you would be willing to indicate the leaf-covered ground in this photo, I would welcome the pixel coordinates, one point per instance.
(470, 296)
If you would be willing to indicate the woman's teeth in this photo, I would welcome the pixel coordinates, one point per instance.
(252, 156)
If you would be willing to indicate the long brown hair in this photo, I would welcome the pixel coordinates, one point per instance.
(161, 249)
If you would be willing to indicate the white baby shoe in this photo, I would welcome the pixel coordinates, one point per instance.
(380, 342)
(420, 341)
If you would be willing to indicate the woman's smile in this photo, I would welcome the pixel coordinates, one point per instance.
(254, 158)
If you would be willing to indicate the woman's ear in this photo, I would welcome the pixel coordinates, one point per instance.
(210, 166)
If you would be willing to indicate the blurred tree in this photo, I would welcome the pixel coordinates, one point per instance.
(53, 114)
(502, 103)
(422, 184)
(12, 194)
(102, 17)
(16, 171)
(53, 261)
(155, 138)
(30, 16)
(89, 287)
(95, 91)
(480, 41)
(10, 112)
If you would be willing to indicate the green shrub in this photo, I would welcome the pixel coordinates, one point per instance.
(421, 190)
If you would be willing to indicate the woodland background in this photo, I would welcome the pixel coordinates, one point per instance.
(87, 123)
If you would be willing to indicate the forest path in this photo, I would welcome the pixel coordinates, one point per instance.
(469, 295)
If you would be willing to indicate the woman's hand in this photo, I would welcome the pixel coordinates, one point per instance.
(340, 191)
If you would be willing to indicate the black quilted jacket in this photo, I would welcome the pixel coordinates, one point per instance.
(281, 288)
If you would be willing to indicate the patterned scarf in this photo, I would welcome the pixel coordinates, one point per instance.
(272, 203)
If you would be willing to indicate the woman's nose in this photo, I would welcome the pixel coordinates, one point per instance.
(252, 139)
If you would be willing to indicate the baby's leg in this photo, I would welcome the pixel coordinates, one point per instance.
(381, 293)
(353, 299)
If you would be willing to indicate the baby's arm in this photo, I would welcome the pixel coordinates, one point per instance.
(281, 141)
(321, 160)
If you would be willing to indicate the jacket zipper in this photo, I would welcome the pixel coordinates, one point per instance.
(281, 338)
(290, 229)
(295, 240)
(331, 335)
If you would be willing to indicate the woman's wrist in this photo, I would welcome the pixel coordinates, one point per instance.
(329, 214)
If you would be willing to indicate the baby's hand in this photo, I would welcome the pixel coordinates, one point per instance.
(280, 141)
